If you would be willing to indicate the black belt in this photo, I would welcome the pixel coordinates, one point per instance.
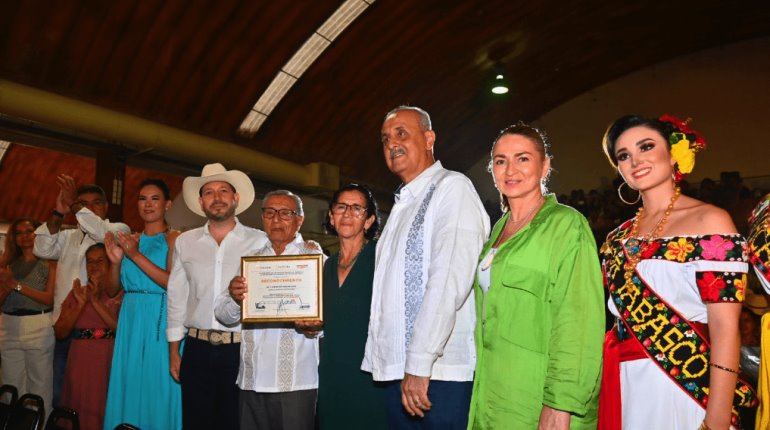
(27, 312)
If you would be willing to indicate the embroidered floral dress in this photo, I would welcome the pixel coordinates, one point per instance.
(683, 274)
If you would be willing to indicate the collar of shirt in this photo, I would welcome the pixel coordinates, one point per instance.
(418, 184)
(548, 205)
(298, 244)
(237, 230)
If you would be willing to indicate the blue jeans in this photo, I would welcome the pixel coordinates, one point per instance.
(451, 403)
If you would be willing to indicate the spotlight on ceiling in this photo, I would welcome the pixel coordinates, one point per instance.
(499, 85)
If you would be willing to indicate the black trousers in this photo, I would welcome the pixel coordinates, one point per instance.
(293, 410)
(209, 393)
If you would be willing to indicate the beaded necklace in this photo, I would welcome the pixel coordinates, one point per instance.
(635, 246)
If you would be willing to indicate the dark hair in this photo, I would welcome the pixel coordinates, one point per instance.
(537, 136)
(160, 183)
(371, 209)
(97, 245)
(12, 251)
(91, 188)
(627, 122)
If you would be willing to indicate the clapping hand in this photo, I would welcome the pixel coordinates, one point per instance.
(67, 193)
(114, 251)
(79, 291)
(129, 243)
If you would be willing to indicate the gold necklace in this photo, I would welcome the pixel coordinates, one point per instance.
(635, 246)
(353, 261)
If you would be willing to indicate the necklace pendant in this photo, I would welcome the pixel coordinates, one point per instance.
(486, 263)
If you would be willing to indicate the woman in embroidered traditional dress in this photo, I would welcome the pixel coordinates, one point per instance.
(676, 274)
(539, 318)
(26, 297)
(759, 256)
(347, 396)
(90, 315)
(142, 391)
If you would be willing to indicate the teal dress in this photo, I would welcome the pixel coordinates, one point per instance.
(347, 396)
(142, 391)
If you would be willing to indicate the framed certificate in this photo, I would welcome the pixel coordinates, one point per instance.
(282, 288)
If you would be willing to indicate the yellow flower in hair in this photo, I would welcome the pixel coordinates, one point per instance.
(683, 155)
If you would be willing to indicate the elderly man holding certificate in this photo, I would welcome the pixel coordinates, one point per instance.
(278, 374)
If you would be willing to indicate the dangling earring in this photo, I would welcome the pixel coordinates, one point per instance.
(620, 194)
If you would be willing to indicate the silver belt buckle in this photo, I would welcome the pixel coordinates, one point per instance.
(216, 338)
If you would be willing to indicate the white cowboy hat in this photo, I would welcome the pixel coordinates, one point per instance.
(217, 172)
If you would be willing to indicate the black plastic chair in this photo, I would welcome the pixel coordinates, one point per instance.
(126, 426)
(27, 414)
(8, 397)
(62, 418)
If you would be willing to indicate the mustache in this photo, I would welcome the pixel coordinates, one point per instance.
(395, 152)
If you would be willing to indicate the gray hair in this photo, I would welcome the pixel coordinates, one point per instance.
(297, 200)
(425, 123)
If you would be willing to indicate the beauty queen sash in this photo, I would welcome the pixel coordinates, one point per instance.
(679, 347)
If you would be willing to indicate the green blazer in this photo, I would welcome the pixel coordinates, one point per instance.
(540, 326)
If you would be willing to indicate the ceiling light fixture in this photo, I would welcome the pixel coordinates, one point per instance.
(499, 85)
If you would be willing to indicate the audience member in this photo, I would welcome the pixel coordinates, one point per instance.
(90, 316)
(26, 295)
(89, 204)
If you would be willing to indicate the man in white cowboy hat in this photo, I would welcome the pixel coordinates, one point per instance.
(205, 260)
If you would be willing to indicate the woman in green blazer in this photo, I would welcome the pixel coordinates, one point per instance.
(539, 301)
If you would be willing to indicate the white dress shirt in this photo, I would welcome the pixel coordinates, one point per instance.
(432, 242)
(69, 248)
(273, 360)
(200, 271)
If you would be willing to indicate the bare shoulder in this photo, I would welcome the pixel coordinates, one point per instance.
(704, 218)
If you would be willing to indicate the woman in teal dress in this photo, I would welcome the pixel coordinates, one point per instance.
(347, 396)
(142, 391)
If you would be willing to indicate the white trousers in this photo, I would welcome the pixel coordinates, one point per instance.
(26, 350)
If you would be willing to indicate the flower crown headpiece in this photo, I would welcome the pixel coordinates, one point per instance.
(684, 142)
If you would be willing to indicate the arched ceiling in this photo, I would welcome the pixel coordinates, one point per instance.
(201, 65)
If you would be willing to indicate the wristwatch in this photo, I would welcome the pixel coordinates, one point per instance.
(18, 288)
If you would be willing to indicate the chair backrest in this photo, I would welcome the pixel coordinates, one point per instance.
(126, 426)
(62, 418)
(27, 414)
(8, 397)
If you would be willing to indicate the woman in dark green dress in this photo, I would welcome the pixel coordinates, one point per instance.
(347, 396)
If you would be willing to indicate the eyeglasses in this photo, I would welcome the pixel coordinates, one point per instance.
(284, 214)
(357, 211)
(22, 233)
